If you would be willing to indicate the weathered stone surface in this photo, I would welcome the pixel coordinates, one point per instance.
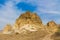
(7, 29)
(28, 26)
(52, 26)
(28, 18)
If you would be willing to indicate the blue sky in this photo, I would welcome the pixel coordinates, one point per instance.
(47, 10)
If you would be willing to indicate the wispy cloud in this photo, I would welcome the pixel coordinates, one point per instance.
(49, 11)
(44, 5)
(49, 6)
(8, 13)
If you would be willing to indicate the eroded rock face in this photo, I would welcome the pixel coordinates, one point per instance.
(52, 26)
(7, 29)
(30, 22)
(29, 26)
(27, 18)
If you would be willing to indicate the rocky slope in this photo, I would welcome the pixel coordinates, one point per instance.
(29, 26)
(56, 35)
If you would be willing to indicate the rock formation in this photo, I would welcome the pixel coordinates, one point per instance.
(52, 26)
(7, 29)
(56, 35)
(29, 26)
(31, 22)
(28, 20)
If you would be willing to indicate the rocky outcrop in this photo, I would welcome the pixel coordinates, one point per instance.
(29, 18)
(28, 21)
(52, 27)
(31, 22)
(29, 26)
(7, 29)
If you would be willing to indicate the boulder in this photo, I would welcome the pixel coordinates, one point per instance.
(52, 26)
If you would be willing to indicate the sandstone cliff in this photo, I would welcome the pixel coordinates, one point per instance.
(29, 26)
(28, 21)
(31, 22)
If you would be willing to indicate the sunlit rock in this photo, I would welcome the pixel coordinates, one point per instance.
(26, 21)
(7, 29)
(52, 26)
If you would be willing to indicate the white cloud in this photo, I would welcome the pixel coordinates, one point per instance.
(8, 13)
(49, 11)
(46, 6)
